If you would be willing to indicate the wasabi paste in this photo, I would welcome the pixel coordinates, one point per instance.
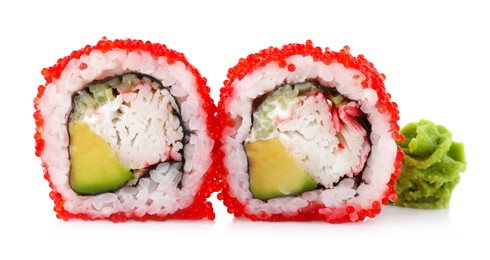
(431, 166)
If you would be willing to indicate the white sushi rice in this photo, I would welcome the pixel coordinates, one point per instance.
(347, 82)
(159, 193)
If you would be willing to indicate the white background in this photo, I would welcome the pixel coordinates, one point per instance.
(435, 56)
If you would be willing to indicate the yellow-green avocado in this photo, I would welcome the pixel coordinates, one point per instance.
(274, 172)
(95, 167)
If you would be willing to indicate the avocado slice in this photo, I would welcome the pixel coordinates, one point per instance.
(274, 172)
(95, 167)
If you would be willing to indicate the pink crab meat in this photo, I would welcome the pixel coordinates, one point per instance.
(325, 138)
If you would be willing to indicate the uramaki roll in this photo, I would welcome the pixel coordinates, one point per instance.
(307, 134)
(123, 131)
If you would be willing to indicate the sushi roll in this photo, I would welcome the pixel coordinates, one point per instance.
(307, 134)
(123, 130)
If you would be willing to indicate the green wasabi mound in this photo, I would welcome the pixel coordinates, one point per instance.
(431, 166)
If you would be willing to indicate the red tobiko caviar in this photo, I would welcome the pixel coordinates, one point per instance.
(282, 64)
(315, 210)
(199, 208)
